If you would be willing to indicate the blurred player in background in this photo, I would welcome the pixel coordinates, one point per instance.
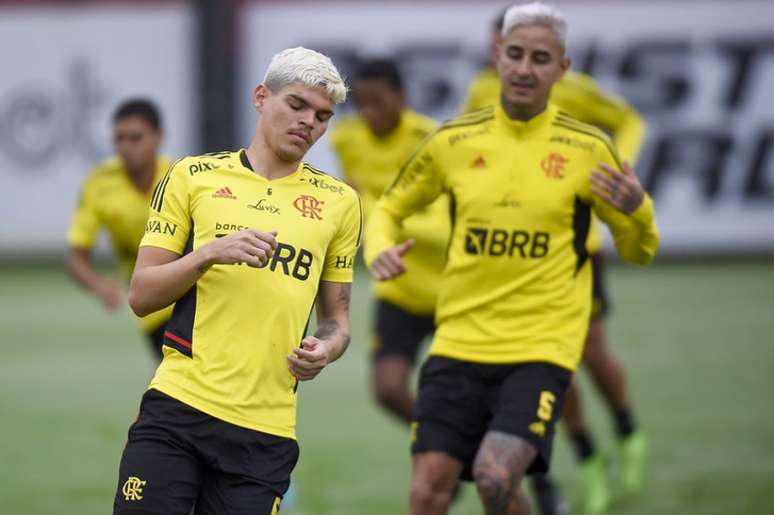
(515, 300)
(371, 146)
(582, 98)
(115, 196)
(244, 243)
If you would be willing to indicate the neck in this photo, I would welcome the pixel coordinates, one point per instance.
(393, 127)
(143, 177)
(522, 113)
(265, 161)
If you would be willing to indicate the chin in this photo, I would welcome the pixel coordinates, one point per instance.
(290, 154)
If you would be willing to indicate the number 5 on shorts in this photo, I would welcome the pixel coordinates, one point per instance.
(546, 406)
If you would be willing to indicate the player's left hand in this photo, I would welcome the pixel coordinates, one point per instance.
(308, 360)
(621, 189)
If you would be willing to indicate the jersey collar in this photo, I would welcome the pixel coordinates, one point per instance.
(242, 158)
(520, 128)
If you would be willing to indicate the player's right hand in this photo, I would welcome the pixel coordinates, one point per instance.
(248, 246)
(389, 264)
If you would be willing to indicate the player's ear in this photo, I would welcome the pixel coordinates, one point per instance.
(565, 63)
(261, 93)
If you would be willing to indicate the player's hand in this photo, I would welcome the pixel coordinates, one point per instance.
(621, 189)
(308, 360)
(389, 264)
(109, 293)
(248, 246)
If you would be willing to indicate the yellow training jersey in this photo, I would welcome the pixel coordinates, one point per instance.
(226, 346)
(517, 284)
(579, 96)
(370, 164)
(110, 200)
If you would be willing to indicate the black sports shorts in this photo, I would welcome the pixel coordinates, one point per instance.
(178, 458)
(398, 332)
(458, 402)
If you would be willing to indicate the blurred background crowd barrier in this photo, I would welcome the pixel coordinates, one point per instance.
(700, 72)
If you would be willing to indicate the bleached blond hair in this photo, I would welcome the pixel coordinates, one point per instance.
(536, 13)
(307, 67)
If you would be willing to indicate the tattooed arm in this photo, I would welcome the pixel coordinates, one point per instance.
(332, 336)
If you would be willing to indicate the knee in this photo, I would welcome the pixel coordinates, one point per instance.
(430, 494)
(490, 483)
(498, 489)
(388, 391)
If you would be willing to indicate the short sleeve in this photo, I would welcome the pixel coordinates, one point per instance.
(169, 218)
(340, 257)
(85, 224)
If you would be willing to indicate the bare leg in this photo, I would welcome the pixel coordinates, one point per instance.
(390, 380)
(605, 368)
(498, 470)
(435, 476)
(572, 414)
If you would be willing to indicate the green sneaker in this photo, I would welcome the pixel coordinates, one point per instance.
(632, 450)
(596, 487)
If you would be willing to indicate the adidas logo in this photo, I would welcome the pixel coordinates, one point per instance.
(478, 163)
(224, 192)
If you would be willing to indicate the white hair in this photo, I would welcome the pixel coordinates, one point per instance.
(536, 13)
(310, 68)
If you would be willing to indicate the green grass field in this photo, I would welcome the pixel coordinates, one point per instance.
(697, 341)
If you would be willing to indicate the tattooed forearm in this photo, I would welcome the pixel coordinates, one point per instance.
(345, 294)
(327, 328)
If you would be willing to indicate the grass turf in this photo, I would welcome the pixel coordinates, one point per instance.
(696, 340)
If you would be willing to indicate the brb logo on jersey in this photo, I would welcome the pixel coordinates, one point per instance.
(553, 165)
(482, 241)
(309, 207)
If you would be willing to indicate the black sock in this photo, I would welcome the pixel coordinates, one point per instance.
(624, 422)
(584, 447)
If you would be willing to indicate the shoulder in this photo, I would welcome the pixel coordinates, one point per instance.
(478, 117)
(107, 169)
(419, 124)
(327, 184)
(579, 80)
(486, 78)
(463, 127)
(194, 165)
(593, 136)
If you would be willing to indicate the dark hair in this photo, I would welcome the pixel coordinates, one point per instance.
(141, 107)
(382, 69)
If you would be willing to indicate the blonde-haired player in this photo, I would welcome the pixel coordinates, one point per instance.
(581, 97)
(243, 243)
(515, 301)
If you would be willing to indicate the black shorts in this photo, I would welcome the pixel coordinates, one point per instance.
(398, 332)
(156, 340)
(600, 301)
(178, 457)
(458, 402)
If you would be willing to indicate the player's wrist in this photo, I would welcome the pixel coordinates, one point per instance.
(204, 258)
